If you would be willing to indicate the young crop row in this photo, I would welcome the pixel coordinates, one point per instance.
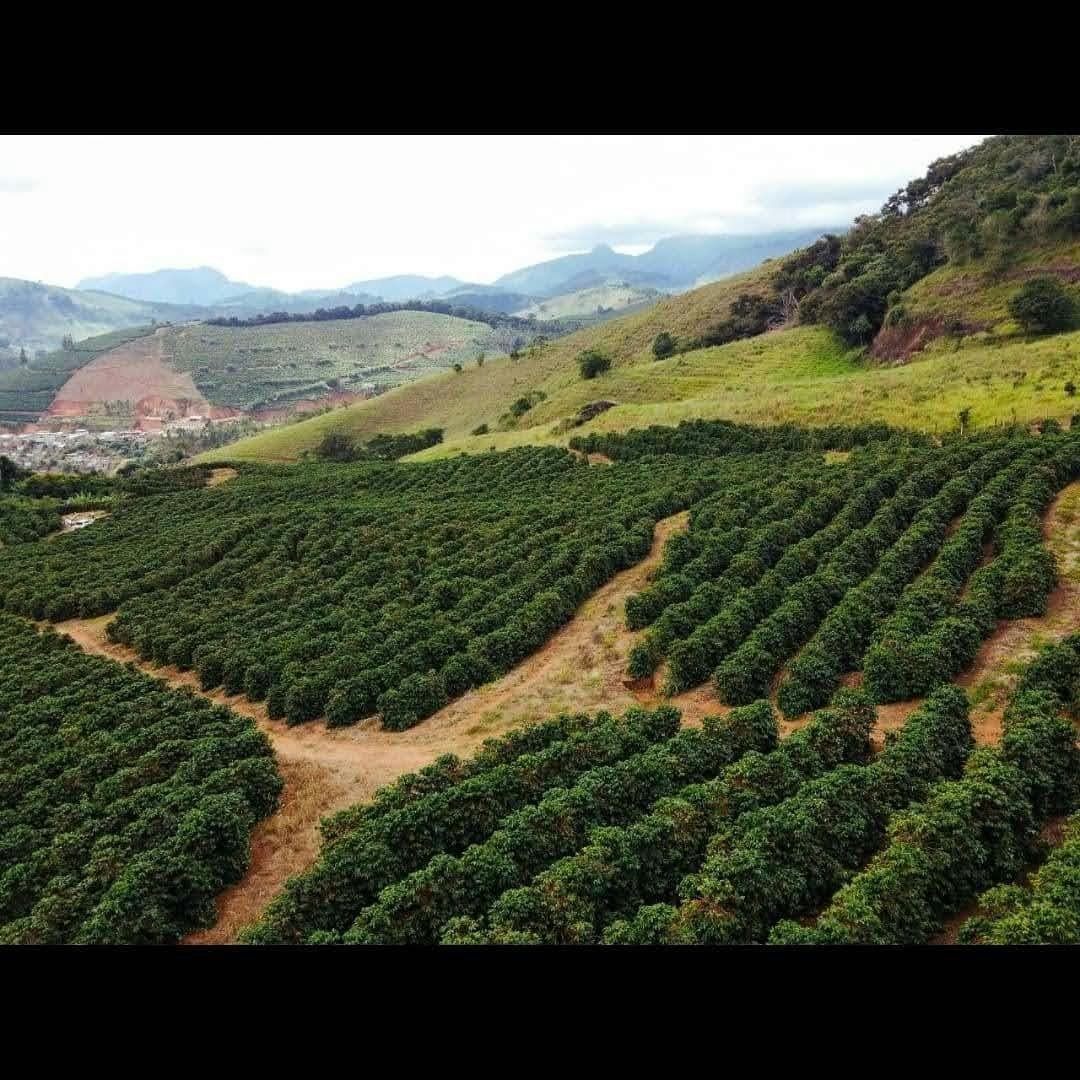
(348, 590)
(1045, 910)
(836, 582)
(696, 634)
(844, 557)
(413, 910)
(785, 860)
(839, 643)
(125, 807)
(623, 867)
(938, 634)
(379, 850)
(967, 835)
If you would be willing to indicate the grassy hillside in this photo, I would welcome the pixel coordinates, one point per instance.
(974, 294)
(586, 302)
(461, 402)
(802, 374)
(258, 366)
(926, 282)
(35, 316)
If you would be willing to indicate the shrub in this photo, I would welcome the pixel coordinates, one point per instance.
(592, 362)
(1041, 306)
(663, 345)
(336, 446)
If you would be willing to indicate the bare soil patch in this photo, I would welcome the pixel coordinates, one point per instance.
(220, 476)
(1068, 272)
(135, 373)
(897, 343)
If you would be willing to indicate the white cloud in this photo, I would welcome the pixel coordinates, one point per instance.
(319, 211)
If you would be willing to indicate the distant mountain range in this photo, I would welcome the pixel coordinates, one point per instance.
(202, 285)
(674, 264)
(671, 265)
(36, 316)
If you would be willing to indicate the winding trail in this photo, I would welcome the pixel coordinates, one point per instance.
(580, 668)
(990, 679)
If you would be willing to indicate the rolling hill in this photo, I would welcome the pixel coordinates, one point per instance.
(677, 262)
(935, 270)
(182, 369)
(37, 317)
(202, 286)
(402, 287)
(585, 303)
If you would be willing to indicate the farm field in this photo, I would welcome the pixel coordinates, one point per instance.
(588, 302)
(125, 807)
(751, 616)
(198, 369)
(27, 392)
(821, 576)
(262, 367)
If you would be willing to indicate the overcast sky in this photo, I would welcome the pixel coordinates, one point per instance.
(298, 212)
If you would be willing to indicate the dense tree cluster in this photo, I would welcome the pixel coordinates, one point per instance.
(125, 807)
(496, 320)
(713, 437)
(987, 202)
(338, 446)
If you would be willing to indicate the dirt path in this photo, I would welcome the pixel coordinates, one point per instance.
(990, 679)
(580, 668)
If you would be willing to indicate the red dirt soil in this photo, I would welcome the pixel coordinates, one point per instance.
(135, 372)
(897, 343)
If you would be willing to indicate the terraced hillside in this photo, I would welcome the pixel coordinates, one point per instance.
(219, 371)
(253, 368)
(329, 600)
